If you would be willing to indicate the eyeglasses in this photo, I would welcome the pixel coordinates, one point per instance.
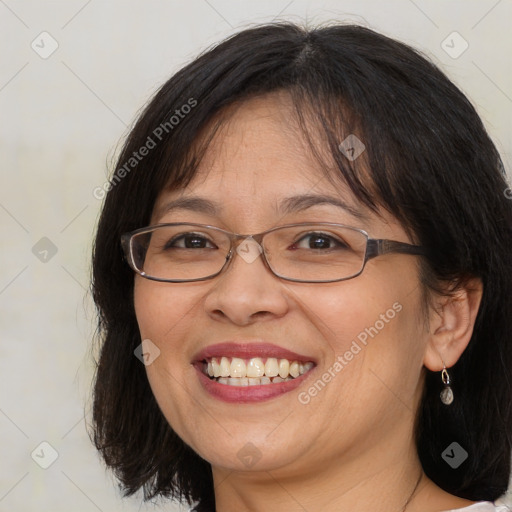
(309, 252)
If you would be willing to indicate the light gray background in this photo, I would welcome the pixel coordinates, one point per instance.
(61, 118)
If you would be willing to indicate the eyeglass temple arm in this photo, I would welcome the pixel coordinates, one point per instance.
(378, 247)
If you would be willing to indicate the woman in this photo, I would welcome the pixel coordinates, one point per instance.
(320, 284)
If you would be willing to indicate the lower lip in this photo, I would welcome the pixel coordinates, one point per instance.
(248, 394)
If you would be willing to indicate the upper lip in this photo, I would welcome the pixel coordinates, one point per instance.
(249, 350)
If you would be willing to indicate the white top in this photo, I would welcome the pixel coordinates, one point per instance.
(482, 506)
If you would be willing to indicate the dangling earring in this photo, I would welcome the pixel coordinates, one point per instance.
(447, 393)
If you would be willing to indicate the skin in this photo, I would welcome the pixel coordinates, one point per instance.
(351, 447)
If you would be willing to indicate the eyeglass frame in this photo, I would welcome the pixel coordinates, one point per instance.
(374, 247)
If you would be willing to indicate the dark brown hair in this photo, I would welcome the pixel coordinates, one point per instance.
(429, 162)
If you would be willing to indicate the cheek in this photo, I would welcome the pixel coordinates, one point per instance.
(374, 344)
(375, 315)
(165, 314)
(163, 308)
(345, 310)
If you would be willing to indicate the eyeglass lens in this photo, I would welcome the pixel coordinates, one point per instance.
(311, 253)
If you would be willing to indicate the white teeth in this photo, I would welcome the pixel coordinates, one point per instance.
(308, 366)
(216, 367)
(294, 369)
(257, 381)
(284, 368)
(224, 367)
(238, 367)
(233, 381)
(271, 367)
(255, 367)
(237, 372)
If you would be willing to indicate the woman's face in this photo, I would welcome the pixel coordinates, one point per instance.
(365, 335)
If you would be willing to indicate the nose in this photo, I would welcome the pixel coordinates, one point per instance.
(246, 291)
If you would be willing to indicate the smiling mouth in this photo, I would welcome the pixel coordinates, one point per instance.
(236, 371)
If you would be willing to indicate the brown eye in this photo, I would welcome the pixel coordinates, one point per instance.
(189, 241)
(319, 241)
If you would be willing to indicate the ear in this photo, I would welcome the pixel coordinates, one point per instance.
(451, 321)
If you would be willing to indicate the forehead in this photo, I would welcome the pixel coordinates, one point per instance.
(259, 140)
(258, 145)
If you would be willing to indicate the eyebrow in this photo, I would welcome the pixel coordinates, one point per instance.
(194, 204)
(291, 204)
(302, 202)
